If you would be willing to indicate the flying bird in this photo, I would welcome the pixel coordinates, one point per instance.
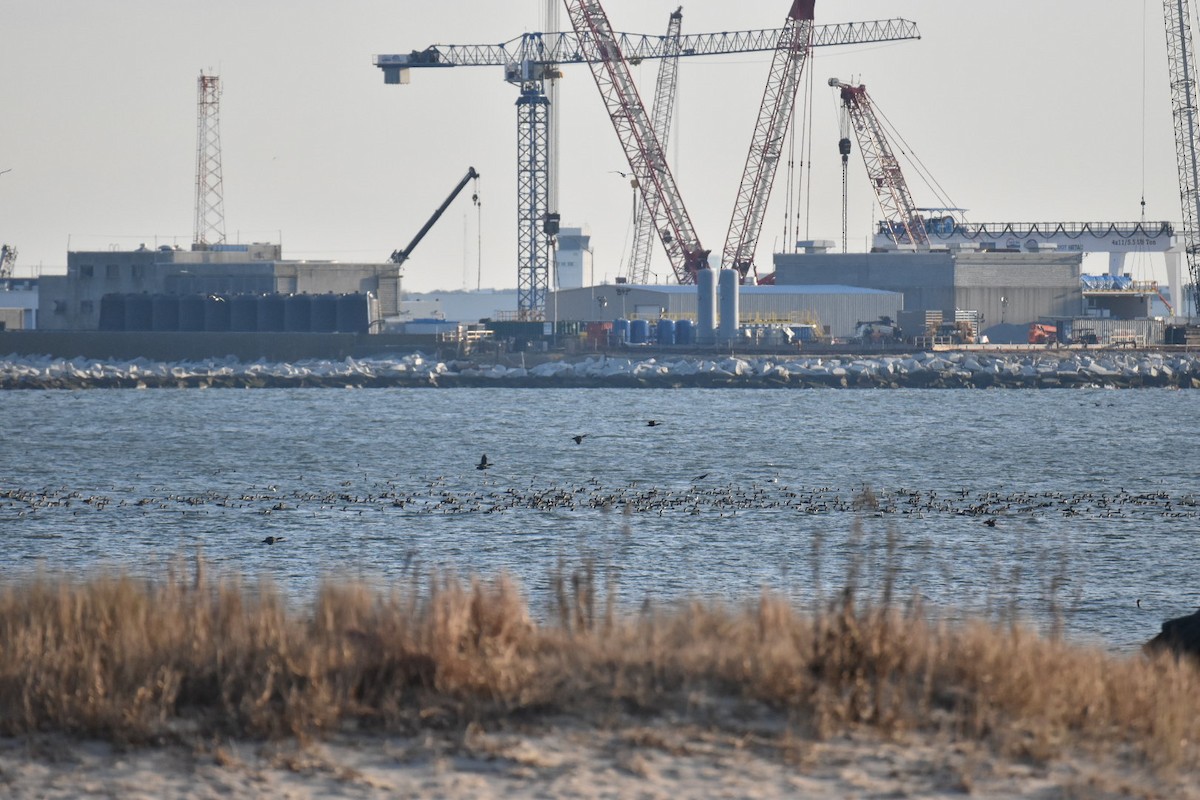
(580, 437)
(483, 462)
(653, 423)
(700, 477)
(272, 539)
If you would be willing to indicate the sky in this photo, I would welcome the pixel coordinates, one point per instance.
(1022, 111)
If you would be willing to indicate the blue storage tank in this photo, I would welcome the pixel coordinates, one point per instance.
(324, 313)
(639, 331)
(353, 314)
(685, 332)
(620, 331)
(297, 313)
(139, 312)
(666, 332)
(216, 314)
(191, 313)
(271, 313)
(164, 312)
(243, 313)
(112, 312)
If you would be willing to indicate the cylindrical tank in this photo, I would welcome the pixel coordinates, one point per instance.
(112, 312)
(297, 313)
(685, 332)
(324, 313)
(620, 331)
(139, 312)
(730, 305)
(352, 313)
(243, 313)
(164, 312)
(271, 313)
(639, 331)
(191, 312)
(216, 314)
(666, 332)
(706, 306)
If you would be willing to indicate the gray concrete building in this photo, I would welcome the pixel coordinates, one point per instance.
(837, 309)
(72, 301)
(18, 304)
(1007, 291)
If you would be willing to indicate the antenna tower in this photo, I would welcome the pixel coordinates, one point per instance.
(210, 204)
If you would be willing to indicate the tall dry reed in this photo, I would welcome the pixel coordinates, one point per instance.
(139, 661)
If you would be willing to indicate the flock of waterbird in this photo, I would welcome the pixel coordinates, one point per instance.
(695, 495)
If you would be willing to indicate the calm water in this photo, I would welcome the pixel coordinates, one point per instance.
(1091, 491)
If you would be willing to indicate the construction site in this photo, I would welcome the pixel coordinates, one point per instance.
(931, 278)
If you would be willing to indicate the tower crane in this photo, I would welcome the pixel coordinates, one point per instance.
(532, 60)
(647, 159)
(904, 222)
(766, 146)
(1181, 62)
(664, 106)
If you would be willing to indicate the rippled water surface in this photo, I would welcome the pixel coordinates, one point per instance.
(1091, 491)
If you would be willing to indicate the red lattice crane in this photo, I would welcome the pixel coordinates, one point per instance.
(903, 221)
(664, 106)
(644, 151)
(766, 147)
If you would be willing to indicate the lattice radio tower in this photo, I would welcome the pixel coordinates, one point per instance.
(210, 204)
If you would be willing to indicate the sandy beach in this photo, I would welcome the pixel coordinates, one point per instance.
(565, 760)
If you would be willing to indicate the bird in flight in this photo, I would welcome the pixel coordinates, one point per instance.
(483, 462)
(580, 437)
(653, 423)
(272, 539)
(700, 477)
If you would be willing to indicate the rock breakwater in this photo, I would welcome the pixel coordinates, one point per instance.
(959, 370)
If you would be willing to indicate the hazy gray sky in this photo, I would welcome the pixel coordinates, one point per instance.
(1025, 110)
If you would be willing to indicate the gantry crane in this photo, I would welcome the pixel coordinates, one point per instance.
(532, 60)
(904, 222)
(664, 106)
(1181, 62)
(766, 146)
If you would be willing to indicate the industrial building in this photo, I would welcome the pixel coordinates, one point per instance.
(1004, 292)
(72, 301)
(18, 304)
(836, 310)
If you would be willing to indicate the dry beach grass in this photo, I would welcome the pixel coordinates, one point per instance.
(463, 663)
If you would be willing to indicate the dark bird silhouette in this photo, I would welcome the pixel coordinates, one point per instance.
(579, 438)
(272, 539)
(700, 477)
(483, 462)
(653, 423)
(990, 522)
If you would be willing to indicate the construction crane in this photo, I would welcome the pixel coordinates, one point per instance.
(400, 256)
(664, 106)
(904, 222)
(1181, 62)
(643, 150)
(766, 146)
(533, 60)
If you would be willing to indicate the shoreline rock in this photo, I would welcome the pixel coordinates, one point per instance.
(1122, 370)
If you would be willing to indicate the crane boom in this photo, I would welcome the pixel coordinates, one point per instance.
(400, 256)
(1182, 65)
(645, 154)
(569, 47)
(907, 226)
(766, 146)
(664, 105)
